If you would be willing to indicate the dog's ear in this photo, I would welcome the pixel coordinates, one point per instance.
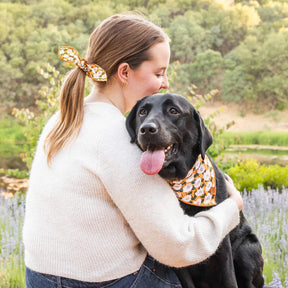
(131, 122)
(204, 134)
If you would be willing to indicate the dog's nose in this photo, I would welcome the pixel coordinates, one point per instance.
(148, 128)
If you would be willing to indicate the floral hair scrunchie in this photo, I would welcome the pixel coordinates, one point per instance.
(70, 55)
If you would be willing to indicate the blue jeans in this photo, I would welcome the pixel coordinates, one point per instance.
(151, 274)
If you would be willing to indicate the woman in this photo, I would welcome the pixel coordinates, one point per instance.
(91, 214)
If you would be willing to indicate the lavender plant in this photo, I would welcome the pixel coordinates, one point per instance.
(11, 246)
(266, 211)
(276, 282)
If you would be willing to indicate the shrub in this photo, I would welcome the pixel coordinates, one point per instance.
(248, 174)
(47, 104)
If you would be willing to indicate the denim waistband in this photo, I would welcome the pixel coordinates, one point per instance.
(149, 269)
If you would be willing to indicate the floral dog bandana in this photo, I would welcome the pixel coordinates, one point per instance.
(198, 188)
(70, 55)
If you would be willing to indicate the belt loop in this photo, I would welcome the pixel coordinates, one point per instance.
(59, 285)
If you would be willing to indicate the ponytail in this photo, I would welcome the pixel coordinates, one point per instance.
(71, 113)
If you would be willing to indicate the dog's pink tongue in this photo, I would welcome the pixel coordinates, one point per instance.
(152, 161)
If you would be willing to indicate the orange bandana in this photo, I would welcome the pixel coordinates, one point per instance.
(70, 55)
(199, 186)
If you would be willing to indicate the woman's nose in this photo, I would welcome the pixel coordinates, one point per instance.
(165, 83)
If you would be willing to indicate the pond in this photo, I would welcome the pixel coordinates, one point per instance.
(264, 154)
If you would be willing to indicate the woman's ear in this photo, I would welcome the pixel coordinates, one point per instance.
(123, 72)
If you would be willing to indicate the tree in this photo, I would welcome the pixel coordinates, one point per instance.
(258, 72)
(31, 31)
(16, 28)
(30, 36)
(229, 27)
(188, 37)
(204, 72)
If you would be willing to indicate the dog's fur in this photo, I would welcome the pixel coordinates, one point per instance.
(160, 120)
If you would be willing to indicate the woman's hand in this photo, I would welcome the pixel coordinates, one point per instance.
(233, 193)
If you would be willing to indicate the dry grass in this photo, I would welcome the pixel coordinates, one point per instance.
(246, 121)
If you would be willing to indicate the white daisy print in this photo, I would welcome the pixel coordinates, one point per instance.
(200, 192)
(187, 187)
(207, 198)
(197, 182)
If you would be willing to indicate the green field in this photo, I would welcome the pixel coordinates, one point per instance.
(257, 138)
(12, 140)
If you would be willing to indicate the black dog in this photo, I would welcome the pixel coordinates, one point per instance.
(172, 135)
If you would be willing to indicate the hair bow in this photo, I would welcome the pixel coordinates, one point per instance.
(70, 55)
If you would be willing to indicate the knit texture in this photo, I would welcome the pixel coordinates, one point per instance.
(93, 214)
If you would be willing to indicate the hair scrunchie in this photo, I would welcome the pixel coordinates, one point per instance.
(70, 55)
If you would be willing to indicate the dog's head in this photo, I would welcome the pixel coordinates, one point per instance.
(170, 132)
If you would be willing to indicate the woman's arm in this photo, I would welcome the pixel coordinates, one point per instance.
(153, 211)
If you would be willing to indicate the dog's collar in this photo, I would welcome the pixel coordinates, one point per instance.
(198, 188)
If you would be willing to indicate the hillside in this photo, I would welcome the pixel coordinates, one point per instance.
(274, 120)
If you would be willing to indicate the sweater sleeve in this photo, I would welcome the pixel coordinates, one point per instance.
(152, 209)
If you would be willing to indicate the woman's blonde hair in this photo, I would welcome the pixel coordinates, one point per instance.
(122, 38)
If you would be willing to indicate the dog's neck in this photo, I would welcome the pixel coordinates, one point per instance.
(198, 188)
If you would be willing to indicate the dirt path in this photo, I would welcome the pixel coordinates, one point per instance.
(271, 121)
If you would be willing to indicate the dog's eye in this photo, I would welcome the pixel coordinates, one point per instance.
(142, 112)
(173, 110)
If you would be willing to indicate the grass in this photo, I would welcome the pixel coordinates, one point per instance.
(258, 138)
(12, 140)
(257, 149)
(11, 246)
(266, 211)
(12, 137)
(12, 274)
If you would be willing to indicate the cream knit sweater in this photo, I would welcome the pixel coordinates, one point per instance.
(93, 214)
